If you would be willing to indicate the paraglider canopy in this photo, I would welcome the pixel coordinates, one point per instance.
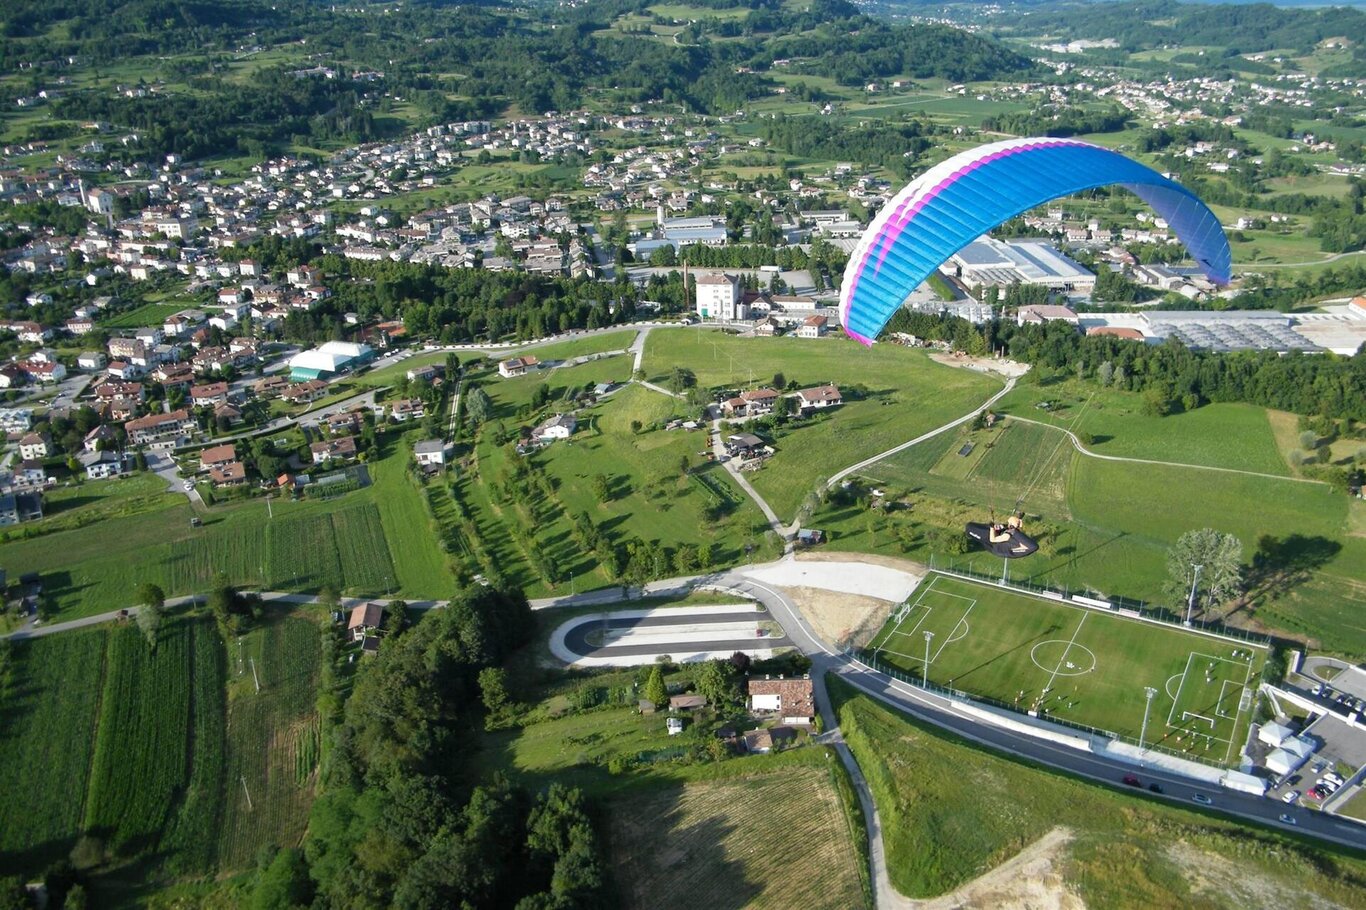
(1008, 541)
(958, 200)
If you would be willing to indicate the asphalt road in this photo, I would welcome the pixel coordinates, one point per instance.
(576, 639)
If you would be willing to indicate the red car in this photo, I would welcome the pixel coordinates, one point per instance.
(1316, 793)
(1132, 781)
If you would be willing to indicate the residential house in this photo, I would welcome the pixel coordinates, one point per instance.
(345, 422)
(44, 371)
(1037, 314)
(429, 373)
(99, 465)
(92, 361)
(270, 386)
(15, 420)
(35, 445)
(102, 437)
(406, 409)
(365, 619)
(744, 445)
(759, 401)
(813, 327)
(121, 369)
(216, 456)
(430, 453)
(561, 426)
(232, 474)
(793, 700)
(161, 430)
(826, 396)
(30, 473)
(517, 366)
(341, 448)
(304, 392)
(688, 702)
(17, 507)
(209, 394)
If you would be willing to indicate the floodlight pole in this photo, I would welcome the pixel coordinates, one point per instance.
(1148, 692)
(926, 678)
(1190, 604)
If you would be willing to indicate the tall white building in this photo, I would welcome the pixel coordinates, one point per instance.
(718, 297)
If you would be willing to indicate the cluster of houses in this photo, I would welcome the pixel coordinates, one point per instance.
(759, 402)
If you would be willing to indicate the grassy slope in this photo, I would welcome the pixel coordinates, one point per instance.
(908, 395)
(1219, 435)
(937, 838)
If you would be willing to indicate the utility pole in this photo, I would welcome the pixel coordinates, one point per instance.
(1148, 692)
(928, 635)
(1190, 604)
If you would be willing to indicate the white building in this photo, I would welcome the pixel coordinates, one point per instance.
(718, 297)
(987, 262)
(561, 426)
(430, 453)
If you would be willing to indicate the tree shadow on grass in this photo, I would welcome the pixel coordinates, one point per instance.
(1282, 563)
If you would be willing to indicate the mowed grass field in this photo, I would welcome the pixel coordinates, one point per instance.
(908, 394)
(372, 541)
(149, 314)
(952, 811)
(1077, 664)
(735, 843)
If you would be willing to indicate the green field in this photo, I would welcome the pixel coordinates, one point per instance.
(149, 314)
(145, 752)
(372, 541)
(944, 828)
(131, 741)
(906, 395)
(1076, 664)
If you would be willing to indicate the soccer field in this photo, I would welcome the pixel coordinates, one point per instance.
(1077, 664)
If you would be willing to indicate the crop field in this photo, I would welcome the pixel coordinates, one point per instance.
(272, 739)
(1077, 664)
(47, 732)
(144, 754)
(907, 394)
(1121, 852)
(694, 845)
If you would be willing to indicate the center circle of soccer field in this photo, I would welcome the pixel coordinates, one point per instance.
(1062, 658)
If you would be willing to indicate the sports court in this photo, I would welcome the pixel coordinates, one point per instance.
(1078, 664)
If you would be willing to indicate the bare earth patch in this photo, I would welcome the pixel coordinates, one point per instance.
(889, 562)
(1030, 880)
(775, 840)
(1238, 885)
(982, 364)
(841, 618)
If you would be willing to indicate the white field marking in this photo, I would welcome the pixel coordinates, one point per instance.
(1223, 693)
(949, 639)
(1063, 656)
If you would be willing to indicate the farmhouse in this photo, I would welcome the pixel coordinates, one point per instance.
(759, 401)
(561, 426)
(365, 618)
(791, 699)
(333, 449)
(517, 366)
(826, 396)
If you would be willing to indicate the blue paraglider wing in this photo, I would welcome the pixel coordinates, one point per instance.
(962, 198)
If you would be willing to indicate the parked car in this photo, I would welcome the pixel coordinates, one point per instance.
(1292, 780)
(1291, 796)
(1316, 689)
(1316, 794)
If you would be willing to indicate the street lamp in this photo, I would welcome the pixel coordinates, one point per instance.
(1148, 692)
(928, 636)
(1190, 604)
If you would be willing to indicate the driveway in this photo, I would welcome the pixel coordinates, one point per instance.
(164, 466)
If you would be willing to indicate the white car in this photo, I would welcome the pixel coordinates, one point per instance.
(1291, 796)
(189, 485)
